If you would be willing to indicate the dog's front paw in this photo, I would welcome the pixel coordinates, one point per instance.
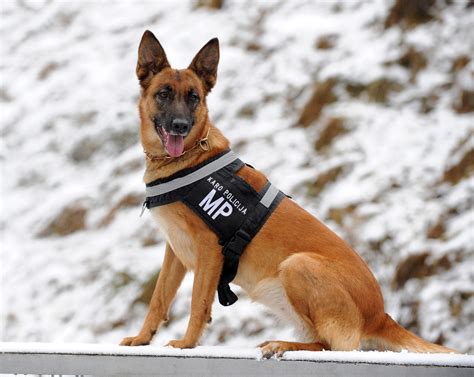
(139, 340)
(183, 343)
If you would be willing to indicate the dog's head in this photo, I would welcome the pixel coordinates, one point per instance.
(173, 107)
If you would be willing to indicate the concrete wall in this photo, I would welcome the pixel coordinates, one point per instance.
(220, 361)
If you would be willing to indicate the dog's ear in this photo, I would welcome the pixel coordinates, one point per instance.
(151, 58)
(205, 63)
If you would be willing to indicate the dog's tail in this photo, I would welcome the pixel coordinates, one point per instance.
(391, 336)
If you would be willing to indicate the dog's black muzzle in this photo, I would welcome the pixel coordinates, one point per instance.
(176, 126)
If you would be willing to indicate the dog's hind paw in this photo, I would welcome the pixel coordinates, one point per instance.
(270, 348)
(278, 348)
(138, 340)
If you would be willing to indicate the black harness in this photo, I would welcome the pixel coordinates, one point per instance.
(225, 202)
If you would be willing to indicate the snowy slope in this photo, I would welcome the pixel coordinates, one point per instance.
(75, 256)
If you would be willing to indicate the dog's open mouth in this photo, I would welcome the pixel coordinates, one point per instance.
(174, 144)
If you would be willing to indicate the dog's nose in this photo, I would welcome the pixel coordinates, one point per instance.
(180, 126)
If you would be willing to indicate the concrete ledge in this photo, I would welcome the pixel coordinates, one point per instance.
(100, 360)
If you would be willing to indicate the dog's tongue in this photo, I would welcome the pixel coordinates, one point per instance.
(175, 145)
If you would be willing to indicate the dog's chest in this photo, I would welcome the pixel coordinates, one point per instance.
(175, 230)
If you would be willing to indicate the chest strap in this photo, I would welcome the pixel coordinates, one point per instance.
(235, 247)
(190, 175)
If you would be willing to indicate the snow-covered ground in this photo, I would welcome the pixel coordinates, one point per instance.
(105, 359)
(372, 357)
(75, 256)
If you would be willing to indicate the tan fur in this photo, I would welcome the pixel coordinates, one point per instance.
(295, 265)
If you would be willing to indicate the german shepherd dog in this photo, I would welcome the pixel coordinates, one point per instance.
(296, 266)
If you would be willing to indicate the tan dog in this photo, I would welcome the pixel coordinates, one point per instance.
(295, 265)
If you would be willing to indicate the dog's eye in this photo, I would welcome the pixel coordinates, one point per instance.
(163, 94)
(193, 96)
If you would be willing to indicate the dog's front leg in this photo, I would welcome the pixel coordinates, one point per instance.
(170, 278)
(206, 279)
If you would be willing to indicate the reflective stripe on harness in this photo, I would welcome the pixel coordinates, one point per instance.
(177, 183)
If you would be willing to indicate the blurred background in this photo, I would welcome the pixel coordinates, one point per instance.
(361, 110)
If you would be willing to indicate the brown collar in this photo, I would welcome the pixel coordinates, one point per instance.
(202, 143)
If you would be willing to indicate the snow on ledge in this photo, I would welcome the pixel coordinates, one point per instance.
(357, 357)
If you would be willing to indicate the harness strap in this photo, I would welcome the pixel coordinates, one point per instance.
(235, 247)
(163, 188)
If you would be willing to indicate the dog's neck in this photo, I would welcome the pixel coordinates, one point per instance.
(161, 168)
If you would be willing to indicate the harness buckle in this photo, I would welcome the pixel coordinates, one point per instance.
(237, 243)
(144, 206)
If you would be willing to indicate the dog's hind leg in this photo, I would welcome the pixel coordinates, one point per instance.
(170, 278)
(326, 311)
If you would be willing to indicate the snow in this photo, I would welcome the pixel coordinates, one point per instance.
(371, 357)
(69, 134)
